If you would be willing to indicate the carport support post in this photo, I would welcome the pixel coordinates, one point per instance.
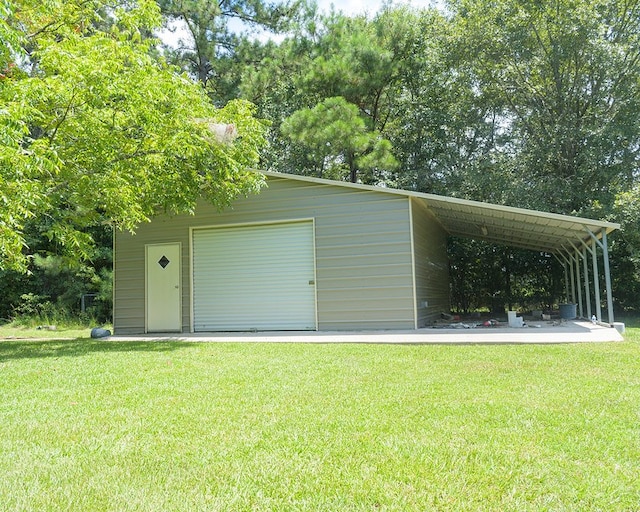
(607, 276)
(578, 290)
(576, 258)
(596, 280)
(587, 290)
(573, 280)
(593, 251)
(607, 273)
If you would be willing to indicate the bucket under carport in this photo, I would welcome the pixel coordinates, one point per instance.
(568, 311)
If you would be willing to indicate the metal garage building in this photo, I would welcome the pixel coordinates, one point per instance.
(313, 254)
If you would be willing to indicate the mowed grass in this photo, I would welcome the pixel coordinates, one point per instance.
(17, 331)
(96, 425)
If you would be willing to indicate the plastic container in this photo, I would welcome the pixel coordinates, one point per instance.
(568, 311)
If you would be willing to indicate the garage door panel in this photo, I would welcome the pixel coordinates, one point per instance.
(254, 278)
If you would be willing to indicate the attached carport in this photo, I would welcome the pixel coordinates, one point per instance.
(579, 244)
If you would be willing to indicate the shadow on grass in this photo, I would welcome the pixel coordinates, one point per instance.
(31, 349)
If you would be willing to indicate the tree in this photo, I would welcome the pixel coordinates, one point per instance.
(560, 80)
(626, 250)
(337, 138)
(213, 49)
(563, 77)
(383, 66)
(94, 129)
(486, 276)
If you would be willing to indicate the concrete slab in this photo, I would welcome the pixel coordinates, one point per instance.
(534, 333)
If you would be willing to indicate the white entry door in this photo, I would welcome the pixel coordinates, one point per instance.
(259, 277)
(163, 293)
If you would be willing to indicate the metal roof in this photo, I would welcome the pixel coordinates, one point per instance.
(519, 227)
(504, 225)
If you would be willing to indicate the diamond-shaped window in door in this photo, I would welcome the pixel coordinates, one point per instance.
(163, 262)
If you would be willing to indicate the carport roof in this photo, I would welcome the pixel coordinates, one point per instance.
(505, 225)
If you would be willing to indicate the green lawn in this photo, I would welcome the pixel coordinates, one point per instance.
(96, 425)
(21, 332)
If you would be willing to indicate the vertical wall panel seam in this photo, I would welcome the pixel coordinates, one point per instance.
(113, 278)
(413, 265)
(146, 285)
(190, 263)
(315, 272)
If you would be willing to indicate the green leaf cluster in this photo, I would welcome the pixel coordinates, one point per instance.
(214, 38)
(531, 104)
(337, 136)
(96, 129)
(563, 78)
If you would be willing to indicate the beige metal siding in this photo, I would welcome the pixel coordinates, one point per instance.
(129, 273)
(432, 265)
(363, 252)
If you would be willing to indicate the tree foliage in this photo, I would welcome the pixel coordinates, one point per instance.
(337, 138)
(211, 46)
(486, 276)
(530, 104)
(562, 77)
(94, 128)
(382, 66)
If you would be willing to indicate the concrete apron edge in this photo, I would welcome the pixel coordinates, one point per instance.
(575, 333)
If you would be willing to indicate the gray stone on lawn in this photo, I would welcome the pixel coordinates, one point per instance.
(99, 332)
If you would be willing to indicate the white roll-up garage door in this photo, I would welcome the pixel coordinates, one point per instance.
(259, 277)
